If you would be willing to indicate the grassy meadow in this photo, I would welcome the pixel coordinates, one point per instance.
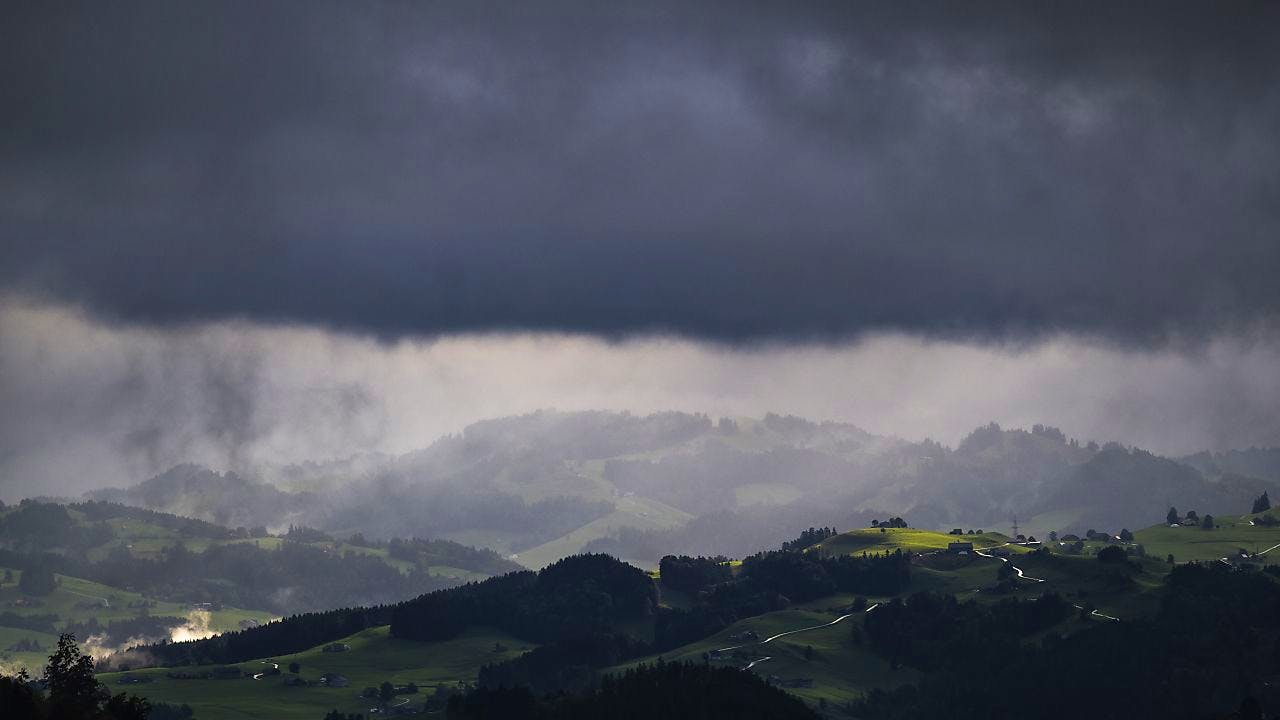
(374, 657)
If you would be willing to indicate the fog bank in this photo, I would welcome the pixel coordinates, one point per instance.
(89, 404)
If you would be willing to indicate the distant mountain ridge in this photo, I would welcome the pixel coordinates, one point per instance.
(547, 484)
(223, 498)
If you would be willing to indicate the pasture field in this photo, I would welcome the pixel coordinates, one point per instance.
(1232, 534)
(79, 600)
(879, 540)
(840, 668)
(374, 657)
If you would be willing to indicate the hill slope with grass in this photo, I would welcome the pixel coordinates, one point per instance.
(186, 560)
(92, 610)
(889, 539)
(1240, 538)
(367, 659)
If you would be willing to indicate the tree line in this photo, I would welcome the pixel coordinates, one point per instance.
(1209, 652)
(576, 595)
(673, 691)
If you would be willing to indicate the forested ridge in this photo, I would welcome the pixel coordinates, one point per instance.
(1213, 648)
(299, 572)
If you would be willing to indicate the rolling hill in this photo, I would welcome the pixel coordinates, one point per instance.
(370, 658)
(819, 646)
(548, 484)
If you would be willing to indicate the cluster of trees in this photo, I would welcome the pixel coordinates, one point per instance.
(1262, 503)
(665, 690)
(805, 576)
(37, 580)
(74, 693)
(770, 581)
(569, 664)
(42, 622)
(1208, 652)
(1112, 555)
(809, 538)
(426, 553)
(691, 574)
(291, 635)
(305, 534)
(929, 630)
(1193, 518)
(893, 522)
(36, 526)
(577, 595)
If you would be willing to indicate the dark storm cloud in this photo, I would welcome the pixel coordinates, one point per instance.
(723, 171)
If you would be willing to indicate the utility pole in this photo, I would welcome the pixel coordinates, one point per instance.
(1015, 526)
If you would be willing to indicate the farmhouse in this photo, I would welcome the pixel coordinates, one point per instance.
(960, 547)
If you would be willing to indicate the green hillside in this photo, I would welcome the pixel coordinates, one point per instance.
(77, 601)
(373, 657)
(840, 668)
(1231, 535)
(812, 649)
(877, 540)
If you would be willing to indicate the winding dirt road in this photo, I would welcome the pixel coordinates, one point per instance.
(771, 638)
(1016, 569)
(1020, 574)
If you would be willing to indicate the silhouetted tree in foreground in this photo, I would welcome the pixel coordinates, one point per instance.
(73, 692)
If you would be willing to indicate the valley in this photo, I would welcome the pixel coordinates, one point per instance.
(268, 621)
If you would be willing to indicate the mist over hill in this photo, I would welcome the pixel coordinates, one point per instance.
(549, 484)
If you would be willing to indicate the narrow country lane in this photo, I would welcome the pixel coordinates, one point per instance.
(771, 638)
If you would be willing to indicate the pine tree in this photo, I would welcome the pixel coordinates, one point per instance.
(1262, 503)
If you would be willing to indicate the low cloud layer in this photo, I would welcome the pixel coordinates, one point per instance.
(88, 404)
(740, 172)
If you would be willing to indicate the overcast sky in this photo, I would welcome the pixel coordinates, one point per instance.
(695, 205)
